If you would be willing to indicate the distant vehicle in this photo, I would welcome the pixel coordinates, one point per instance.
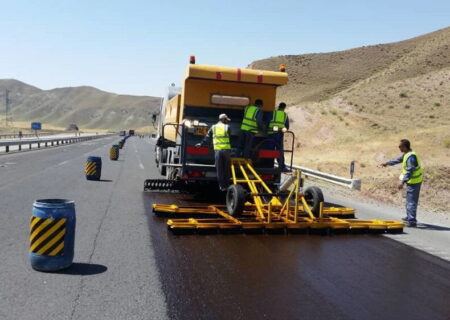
(131, 133)
(122, 133)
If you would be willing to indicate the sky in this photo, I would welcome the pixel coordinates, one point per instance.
(141, 47)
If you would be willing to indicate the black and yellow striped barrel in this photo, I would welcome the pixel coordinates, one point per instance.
(114, 152)
(52, 234)
(93, 168)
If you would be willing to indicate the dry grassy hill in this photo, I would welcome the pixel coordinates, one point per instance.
(356, 105)
(88, 107)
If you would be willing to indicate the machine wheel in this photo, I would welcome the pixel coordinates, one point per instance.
(314, 196)
(235, 199)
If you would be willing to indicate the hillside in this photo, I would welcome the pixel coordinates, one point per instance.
(356, 105)
(88, 107)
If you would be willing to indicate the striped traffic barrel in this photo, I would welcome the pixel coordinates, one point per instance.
(93, 168)
(114, 152)
(52, 234)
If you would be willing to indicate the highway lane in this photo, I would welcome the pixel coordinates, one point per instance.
(115, 275)
(130, 267)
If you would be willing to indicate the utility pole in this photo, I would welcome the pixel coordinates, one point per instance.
(6, 106)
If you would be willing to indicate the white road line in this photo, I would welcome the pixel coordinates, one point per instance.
(142, 166)
(62, 163)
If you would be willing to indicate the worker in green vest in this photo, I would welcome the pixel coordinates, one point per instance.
(411, 176)
(220, 136)
(251, 124)
(276, 128)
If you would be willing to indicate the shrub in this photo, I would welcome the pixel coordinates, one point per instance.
(447, 143)
(403, 95)
(391, 107)
(323, 112)
(333, 112)
(437, 104)
(407, 106)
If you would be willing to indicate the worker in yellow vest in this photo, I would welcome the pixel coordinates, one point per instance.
(220, 136)
(412, 177)
(252, 123)
(275, 130)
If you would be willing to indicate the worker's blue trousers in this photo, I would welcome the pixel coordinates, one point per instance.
(246, 143)
(412, 200)
(278, 141)
(222, 162)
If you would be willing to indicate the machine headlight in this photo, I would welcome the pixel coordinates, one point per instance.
(187, 123)
(284, 130)
(196, 123)
(275, 129)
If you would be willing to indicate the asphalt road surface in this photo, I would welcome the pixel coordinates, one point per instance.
(129, 266)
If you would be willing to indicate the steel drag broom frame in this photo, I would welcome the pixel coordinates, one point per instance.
(277, 214)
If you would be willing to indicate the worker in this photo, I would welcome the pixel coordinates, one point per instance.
(412, 176)
(220, 136)
(252, 123)
(275, 130)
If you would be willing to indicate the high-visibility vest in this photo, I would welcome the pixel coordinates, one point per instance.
(221, 139)
(249, 121)
(417, 174)
(278, 120)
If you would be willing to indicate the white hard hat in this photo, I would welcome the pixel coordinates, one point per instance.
(224, 116)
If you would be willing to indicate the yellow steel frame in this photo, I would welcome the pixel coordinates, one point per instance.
(269, 215)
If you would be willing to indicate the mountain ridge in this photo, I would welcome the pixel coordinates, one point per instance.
(87, 106)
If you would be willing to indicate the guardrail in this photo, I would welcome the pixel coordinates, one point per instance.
(24, 135)
(350, 183)
(46, 142)
(16, 135)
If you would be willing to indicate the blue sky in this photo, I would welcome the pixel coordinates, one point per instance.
(140, 47)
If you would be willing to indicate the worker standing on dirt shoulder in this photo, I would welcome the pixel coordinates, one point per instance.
(251, 124)
(277, 126)
(220, 135)
(412, 176)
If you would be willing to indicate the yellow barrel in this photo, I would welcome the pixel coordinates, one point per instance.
(114, 152)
